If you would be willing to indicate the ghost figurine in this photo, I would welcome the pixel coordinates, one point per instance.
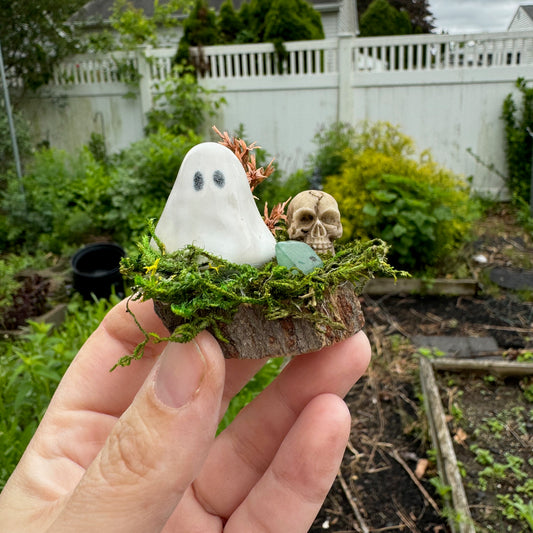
(212, 207)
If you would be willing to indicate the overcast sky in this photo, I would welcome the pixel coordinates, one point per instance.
(465, 16)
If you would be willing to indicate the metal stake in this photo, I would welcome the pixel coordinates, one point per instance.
(531, 184)
(14, 144)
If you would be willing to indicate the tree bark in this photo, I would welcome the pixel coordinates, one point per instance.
(252, 336)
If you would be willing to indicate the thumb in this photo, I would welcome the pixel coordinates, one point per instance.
(156, 448)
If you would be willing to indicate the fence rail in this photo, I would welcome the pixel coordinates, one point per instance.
(442, 52)
(301, 58)
(116, 67)
(407, 53)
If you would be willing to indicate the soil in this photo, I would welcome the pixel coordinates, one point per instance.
(384, 483)
(494, 418)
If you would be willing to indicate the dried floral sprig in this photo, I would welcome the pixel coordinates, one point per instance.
(276, 216)
(246, 157)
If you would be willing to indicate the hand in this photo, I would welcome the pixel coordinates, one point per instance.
(134, 450)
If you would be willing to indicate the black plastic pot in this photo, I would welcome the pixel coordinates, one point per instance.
(96, 270)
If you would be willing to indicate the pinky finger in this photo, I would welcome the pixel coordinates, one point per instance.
(292, 490)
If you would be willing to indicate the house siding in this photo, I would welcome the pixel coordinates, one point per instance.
(521, 20)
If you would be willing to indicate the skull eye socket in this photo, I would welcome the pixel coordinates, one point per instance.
(219, 179)
(306, 219)
(330, 218)
(198, 181)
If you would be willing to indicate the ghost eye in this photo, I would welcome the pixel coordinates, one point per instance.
(198, 181)
(219, 178)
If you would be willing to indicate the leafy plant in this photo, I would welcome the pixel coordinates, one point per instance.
(518, 119)
(333, 145)
(516, 509)
(73, 197)
(31, 369)
(421, 209)
(181, 104)
(22, 129)
(135, 28)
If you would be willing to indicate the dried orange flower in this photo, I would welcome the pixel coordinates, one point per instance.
(277, 214)
(246, 157)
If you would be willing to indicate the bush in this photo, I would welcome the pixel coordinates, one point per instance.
(22, 131)
(181, 105)
(332, 144)
(422, 210)
(73, 198)
(519, 143)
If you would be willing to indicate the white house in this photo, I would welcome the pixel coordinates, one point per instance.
(522, 19)
(338, 17)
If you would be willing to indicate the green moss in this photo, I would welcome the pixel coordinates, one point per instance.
(205, 290)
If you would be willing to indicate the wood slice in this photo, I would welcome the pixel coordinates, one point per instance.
(252, 336)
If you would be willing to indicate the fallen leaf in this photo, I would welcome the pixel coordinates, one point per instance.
(460, 436)
(421, 467)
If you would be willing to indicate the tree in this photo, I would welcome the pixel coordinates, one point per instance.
(199, 29)
(292, 20)
(229, 23)
(420, 16)
(35, 36)
(382, 19)
(135, 28)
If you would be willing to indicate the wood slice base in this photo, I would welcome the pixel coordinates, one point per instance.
(252, 336)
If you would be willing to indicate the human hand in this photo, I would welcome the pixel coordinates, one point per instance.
(135, 450)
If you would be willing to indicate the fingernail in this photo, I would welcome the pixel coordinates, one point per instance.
(180, 374)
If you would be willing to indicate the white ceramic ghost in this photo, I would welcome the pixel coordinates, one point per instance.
(211, 206)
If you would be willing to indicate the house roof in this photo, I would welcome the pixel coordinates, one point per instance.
(97, 11)
(529, 10)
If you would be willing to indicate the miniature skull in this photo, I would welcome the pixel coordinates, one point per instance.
(313, 217)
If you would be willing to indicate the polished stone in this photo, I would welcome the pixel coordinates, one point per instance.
(297, 254)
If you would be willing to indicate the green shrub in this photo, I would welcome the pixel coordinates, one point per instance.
(332, 144)
(412, 216)
(181, 104)
(421, 209)
(141, 181)
(518, 142)
(22, 130)
(30, 372)
(73, 198)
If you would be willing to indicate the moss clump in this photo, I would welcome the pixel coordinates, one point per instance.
(205, 290)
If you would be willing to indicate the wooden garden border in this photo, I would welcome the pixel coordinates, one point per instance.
(440, 435)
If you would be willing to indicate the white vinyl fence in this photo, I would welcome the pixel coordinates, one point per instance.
(446, 91)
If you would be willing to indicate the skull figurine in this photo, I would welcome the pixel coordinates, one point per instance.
(313, 217)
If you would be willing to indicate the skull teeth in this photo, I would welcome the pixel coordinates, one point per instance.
(321, 246)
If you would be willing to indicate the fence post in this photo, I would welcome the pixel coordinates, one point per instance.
(145, 83)
(345, 94)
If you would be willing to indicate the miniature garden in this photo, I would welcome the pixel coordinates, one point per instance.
(387, 191)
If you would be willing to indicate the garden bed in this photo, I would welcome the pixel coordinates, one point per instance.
(482, 428)
(377, 488)
(41, 296)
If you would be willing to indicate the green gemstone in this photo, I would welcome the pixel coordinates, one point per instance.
(296, 254)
